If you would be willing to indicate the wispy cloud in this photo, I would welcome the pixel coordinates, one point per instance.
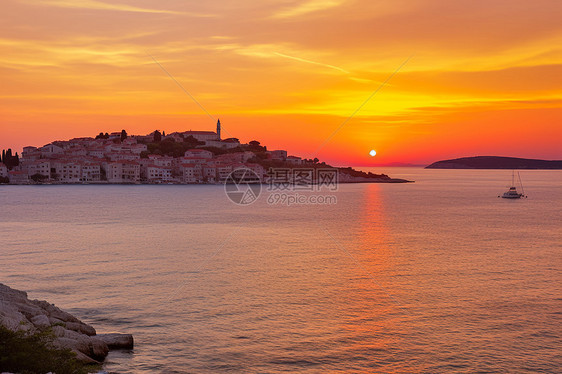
(100, 5)
(268, 51)
(311, 62)
(307, 7)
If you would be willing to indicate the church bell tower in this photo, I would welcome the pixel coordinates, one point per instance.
(219, 129)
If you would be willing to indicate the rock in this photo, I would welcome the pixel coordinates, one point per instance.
(86, 359)
(123, 341)
(58, 330)
(17, 312)
(56, 321)
(84, 345)
(41, 321)
(81, 328)
(99, 347)
(14, 321)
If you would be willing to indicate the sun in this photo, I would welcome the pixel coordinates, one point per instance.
(373, 153)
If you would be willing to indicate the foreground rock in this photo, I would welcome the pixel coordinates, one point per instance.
(18, 313)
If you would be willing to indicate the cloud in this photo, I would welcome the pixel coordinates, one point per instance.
(100, 5)
(311, 62)
(307, 7)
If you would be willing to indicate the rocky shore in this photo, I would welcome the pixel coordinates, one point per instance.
(18, 313)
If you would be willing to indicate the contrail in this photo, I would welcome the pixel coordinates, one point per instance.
(311, 62)
(361, 106)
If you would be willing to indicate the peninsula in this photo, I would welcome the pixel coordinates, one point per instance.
(495, 162)
(188, 157)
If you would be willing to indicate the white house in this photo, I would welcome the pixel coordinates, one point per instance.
(235, 157)
(223, 170)
(50, 149)
(199, 153)
(98, 152)
(42, 167)
(280, 155)
(122, 156)
(159, 173)
(191, 173)
(91, 172)
(30, 153)
(18, 177)
(123, 172)
(201, 135)
(165, 161)
(209, 173)
(294, 160)
(68, 171)
(222, 144)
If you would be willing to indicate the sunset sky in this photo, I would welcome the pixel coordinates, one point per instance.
(477, 77)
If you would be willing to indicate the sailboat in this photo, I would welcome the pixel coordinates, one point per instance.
(512, 193)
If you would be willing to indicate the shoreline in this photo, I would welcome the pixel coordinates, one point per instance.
(391, 181)
(366, 180)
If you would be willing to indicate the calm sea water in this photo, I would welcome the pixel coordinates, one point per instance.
(438, 276)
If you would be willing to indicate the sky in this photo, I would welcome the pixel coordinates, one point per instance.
(416, 80)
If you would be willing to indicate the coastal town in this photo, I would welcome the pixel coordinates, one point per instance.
(188, 157)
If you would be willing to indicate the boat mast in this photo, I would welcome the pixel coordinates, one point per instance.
(521, 183)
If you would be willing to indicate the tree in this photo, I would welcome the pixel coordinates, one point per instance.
(163, 133)
(192, 141)
(10, 160)
(123, 135)
(157, 136)
(315, 160)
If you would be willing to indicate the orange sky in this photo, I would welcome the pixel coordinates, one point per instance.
(484, 78)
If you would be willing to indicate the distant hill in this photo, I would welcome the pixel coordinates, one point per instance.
(495, 162)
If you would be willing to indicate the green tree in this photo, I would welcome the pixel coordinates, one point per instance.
(10, 160)
(21, 352)
(157, 136)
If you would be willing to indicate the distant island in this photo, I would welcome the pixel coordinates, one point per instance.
(188, 157)
(496, 162)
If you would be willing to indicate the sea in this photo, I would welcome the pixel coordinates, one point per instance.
(436, 276)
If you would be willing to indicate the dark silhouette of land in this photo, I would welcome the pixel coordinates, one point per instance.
(495, 162)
